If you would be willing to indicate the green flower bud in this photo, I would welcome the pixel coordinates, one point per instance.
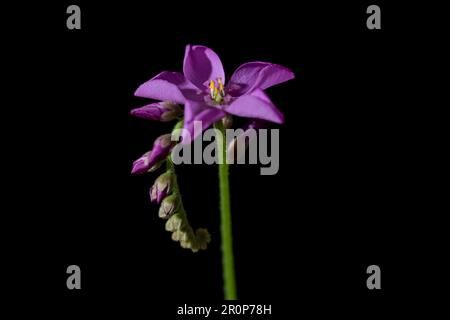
(174, 111)
(227, 121)
(179, 235)
(168, 206)
(162, 187)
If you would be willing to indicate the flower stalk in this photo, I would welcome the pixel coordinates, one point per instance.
(229, 280)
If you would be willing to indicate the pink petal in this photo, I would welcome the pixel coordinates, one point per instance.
(256, 105)
(201, 65)
(167, 86)
(141, 165)
(197, 111)
(152, 111)
(258, 75)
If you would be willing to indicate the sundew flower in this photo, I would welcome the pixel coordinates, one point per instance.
(207, 99)
(205, 95)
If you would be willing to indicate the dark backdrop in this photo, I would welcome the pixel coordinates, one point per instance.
(303, 238)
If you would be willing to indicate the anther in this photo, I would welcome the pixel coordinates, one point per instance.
(221, 88)
(212, 88)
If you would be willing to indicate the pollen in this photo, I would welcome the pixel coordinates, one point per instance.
(217, 92)
(212, 88)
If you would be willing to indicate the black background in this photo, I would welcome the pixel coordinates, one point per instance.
(344, 197)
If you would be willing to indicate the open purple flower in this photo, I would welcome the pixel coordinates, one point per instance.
(207, 98)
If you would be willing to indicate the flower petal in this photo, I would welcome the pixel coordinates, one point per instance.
(167, 86)
(161, 149)
(197, 111)
(152, 111)
(257, 75)
(201, 65)
(141, 165)
(256, 105)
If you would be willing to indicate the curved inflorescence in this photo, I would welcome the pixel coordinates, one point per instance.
(173, 211)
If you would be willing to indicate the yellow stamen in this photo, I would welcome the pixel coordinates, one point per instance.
(221, 88)
(212, 88)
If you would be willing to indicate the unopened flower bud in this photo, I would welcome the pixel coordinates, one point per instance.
(237, 147)
(173, 112)
(256, 124)
(153, 158)
(179, 235)
(168, 206)
(227, 121)
(159, 111)
(162, 144)
(156, 166)
(174, 222)
(141, 165)
(162, 187)
(203, 238)
(186, 244)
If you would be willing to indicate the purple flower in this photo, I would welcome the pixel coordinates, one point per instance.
(247, 137)
(161, 149)
(162, 187)
(207, 98)
(160, 111)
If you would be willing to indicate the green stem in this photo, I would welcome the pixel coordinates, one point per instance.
(225, 218)
(171, 167)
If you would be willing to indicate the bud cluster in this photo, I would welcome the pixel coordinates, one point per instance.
(165, 192)
(165, 188)
(183, 232)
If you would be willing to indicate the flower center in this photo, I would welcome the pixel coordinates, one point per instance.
(217, 92)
